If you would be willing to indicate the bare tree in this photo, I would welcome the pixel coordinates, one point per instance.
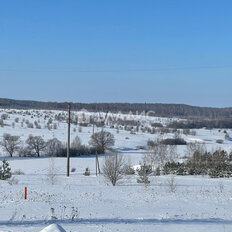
(10, 143)
(173, 155)
(76, 143)
(36, 144)
(1, 123)
(113, 168)
(52, 171)
(102, 141)
(191, 148)
(171, 183)
(54, 147)
(157, 155)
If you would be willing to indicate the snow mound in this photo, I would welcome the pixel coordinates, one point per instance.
(53, 228)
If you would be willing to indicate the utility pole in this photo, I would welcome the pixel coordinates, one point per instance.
(68, 143)
(145, 109)
(96, 160)
(93, 124)
(98, 170)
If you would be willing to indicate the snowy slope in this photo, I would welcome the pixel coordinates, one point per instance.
(84, 204)
(16, 124)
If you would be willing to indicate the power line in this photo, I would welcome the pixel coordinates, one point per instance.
(119, 70)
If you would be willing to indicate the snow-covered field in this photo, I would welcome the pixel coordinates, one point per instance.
(87, 203)
(196, 204)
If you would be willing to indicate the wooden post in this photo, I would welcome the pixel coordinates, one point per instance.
(25, 193)
(98, 171)
(98, 165)
(68, 142)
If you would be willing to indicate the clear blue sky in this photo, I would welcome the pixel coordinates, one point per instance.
(168, 51)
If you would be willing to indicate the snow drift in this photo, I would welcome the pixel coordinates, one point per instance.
(53, 228)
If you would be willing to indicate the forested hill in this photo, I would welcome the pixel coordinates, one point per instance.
(163, 110)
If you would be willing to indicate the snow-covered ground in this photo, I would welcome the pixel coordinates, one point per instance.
(86, 203)
(195, 204)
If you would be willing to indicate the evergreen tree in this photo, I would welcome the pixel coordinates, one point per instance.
(144, 172)
(5, 170)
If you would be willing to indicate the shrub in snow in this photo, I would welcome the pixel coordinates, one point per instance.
(5, 170)
(37, 126)
(87, 172)
(156, 124)
(18, 172)
(227, 136)
(13, 181)
(75, 213)
(144, 171)
(73, 152)
(4, 116)
(30, 125)
(175, 141)
(171, 183)
(128, 170)
(113, 168)
(174, 168)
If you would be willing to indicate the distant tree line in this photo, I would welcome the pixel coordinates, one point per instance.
(209, 124)
(162, 110)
